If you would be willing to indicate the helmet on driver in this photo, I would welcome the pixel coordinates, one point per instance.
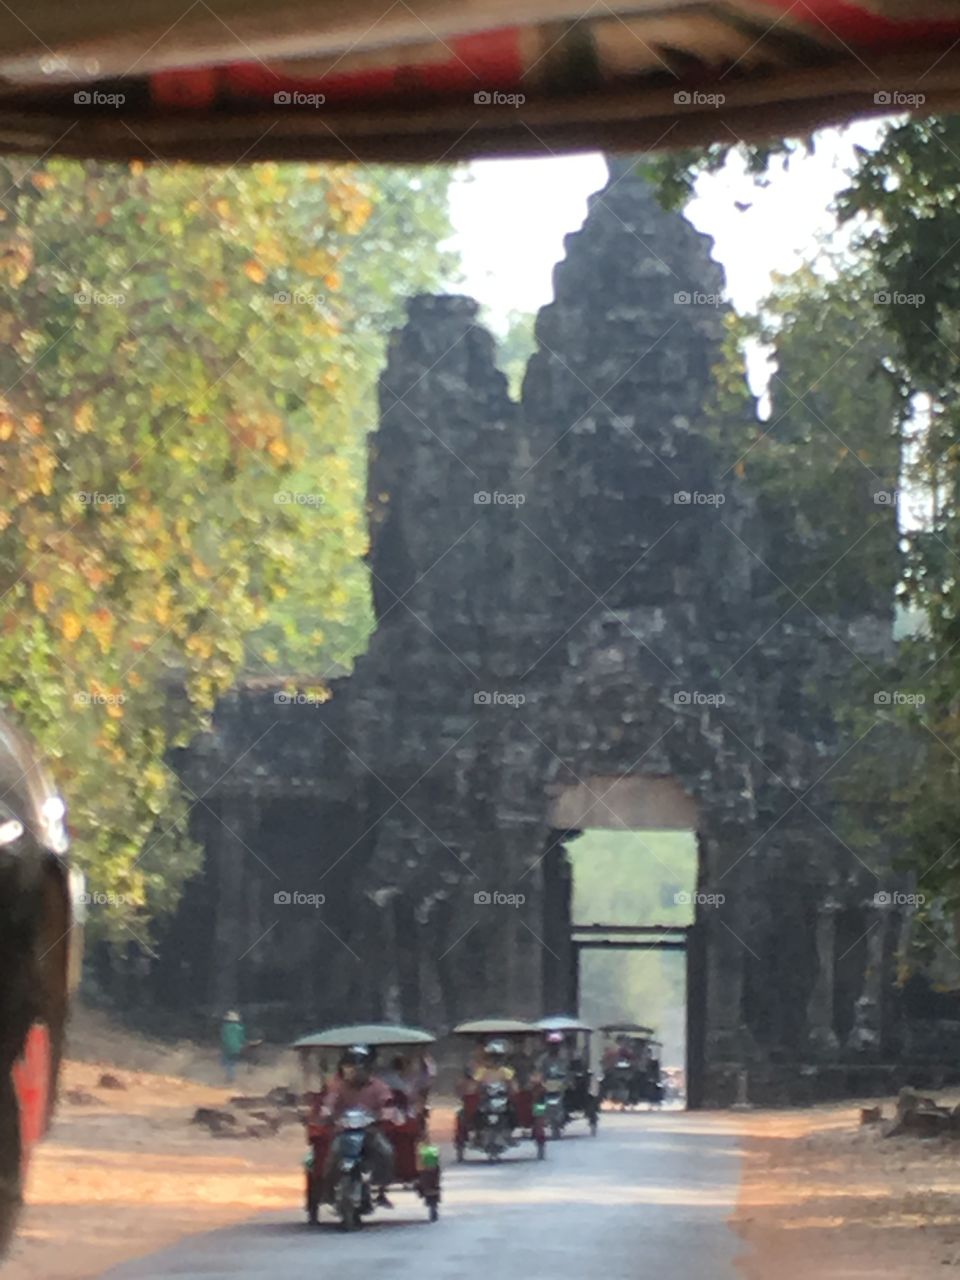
(356, 1062)
(495, 1049)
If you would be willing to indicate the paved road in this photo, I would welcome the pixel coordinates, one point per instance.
(649, 1197)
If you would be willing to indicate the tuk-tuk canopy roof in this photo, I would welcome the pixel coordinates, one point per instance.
(561, 1022)
(627, 1029)
(495, 1027)
(299, 79)
(371, 1033)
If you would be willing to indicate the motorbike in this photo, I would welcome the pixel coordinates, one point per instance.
(579, 1097)
(618, 1083)
(346, 1186)
(522, 1111)
(493, 1120)
(555, 1111)
(351, 1190)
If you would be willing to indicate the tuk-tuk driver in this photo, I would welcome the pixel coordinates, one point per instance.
(356, 1086)
(555, 1058)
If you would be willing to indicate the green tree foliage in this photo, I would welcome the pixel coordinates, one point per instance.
(324, 620)
(824, 465)
(902, 201)
(179, 359)
(634, 877)
(515, 348)
(904, 197)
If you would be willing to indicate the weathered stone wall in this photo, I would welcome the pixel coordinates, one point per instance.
(564, 589)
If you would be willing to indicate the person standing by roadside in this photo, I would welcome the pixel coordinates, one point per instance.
(233, 1040)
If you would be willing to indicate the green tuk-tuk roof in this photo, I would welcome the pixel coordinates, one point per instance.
(626, 1029)
(371, 1033)
(495, 1027)
(561, 1022)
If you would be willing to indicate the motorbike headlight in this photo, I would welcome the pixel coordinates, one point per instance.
(52, 814)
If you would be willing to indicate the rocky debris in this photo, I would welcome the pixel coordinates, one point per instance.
(218, 1122)
(267, 1120)
(922, 1116)
(109, 1081)
(871, 1115)
(81, 1098)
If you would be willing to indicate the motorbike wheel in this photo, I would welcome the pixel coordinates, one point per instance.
(593, 1126)
(433, 1211)
(347, 1209)
(541, 1149)
(556, 1129)
(459, 1151)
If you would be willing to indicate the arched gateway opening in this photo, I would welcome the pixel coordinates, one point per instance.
(623, 860)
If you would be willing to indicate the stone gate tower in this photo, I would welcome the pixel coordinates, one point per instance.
(579, 622)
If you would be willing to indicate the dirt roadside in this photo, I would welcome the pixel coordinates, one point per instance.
(823, 1198)
(125, 1173)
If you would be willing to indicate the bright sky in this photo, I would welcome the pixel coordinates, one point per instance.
(511, 217)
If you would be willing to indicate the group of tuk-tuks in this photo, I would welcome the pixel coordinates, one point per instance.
(368, 1109)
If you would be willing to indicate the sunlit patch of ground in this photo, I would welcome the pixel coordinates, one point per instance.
(128, 1174)
(823, 1198)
